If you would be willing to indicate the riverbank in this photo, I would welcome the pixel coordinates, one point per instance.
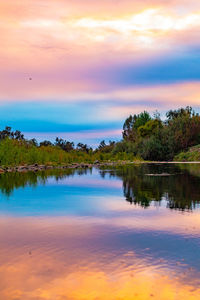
(97, 164)
(37, 167)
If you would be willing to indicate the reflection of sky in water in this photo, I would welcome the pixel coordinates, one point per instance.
(78, 238)
(78, 195)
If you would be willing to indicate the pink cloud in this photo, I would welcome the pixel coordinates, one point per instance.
(63, 45)
(81, 135)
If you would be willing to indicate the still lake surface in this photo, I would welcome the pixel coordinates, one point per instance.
(124, 233)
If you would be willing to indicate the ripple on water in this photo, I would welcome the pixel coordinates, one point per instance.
(94, 240)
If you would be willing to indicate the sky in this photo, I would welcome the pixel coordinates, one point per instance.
(76, 69)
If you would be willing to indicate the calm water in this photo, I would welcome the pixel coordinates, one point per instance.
(126, 233)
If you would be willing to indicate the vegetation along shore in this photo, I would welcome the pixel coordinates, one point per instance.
(144, 138)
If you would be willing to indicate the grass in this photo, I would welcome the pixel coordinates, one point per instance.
(193, 154)
(15, 153)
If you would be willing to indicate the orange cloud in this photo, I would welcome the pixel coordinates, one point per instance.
(47, 32)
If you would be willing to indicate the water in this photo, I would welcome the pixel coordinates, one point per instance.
(122, 233)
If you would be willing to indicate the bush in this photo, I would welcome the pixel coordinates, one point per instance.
(152, 149)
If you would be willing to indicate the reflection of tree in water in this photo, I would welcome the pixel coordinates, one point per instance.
(146, 183)
(178, 185)
(11, 181)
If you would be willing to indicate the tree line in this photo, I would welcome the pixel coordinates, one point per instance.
(143, 137)
(154, 139)
(65, 145)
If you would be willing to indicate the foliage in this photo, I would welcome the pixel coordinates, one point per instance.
(193, 154)
(161, 140)
(143, 184)
(147, 183)
(132, 123)
(103, 147)
(21, 152)
(150, 128)
(144, 138)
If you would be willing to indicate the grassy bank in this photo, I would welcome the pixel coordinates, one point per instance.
(193, 154)
(20, 152)
(145, 138)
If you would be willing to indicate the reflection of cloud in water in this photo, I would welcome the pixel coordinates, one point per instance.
(101, 247)
(67, 258)
(85, 181)
(161, 174)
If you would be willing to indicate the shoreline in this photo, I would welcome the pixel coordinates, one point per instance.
(36, 167)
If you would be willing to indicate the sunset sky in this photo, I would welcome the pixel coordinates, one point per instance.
(76, 69)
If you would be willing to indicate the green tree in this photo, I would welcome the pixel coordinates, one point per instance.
(150, 128)
(132, 123)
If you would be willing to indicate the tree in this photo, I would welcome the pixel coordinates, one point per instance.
(132, 123)
(103, 147)
(154, 139)
(18, 135)
(8, 133)
(34, 142)
(64, 145)
(183, 128)
(46, 143)
(83, 147)
(150, 128)
(179, 113)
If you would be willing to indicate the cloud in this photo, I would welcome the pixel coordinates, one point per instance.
(108, 58)
(93, 115)
(146, 95)
(90, 137)
(53, 33)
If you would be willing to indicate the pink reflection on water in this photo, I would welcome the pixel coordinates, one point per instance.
(69, 258)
